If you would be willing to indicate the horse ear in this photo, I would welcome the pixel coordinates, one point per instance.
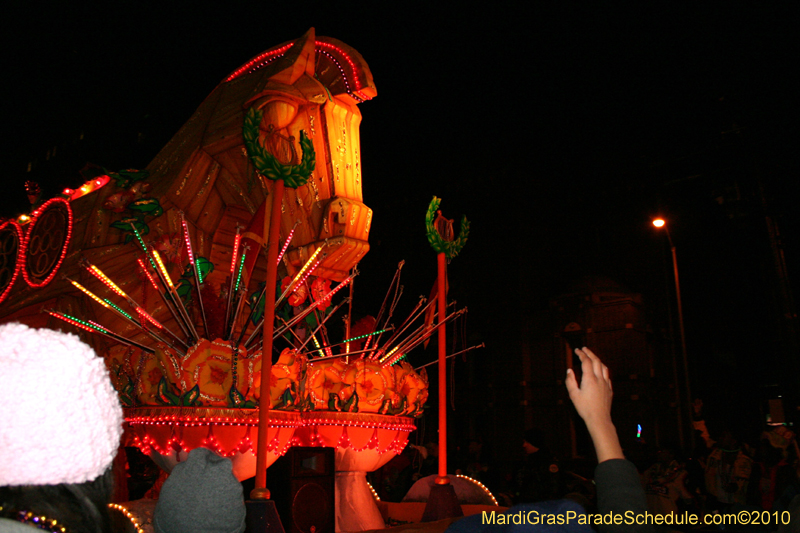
(301, 58)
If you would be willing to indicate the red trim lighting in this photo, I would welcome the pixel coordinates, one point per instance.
(322, 47)
(31, 225)
(147, 443)
(20, 257)
(88, 187)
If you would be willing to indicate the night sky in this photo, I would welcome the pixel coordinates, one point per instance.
(559, 132)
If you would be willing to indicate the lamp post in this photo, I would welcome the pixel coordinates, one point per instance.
(661, 223)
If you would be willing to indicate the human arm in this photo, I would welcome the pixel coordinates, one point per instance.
(619, 488)
(592, 400)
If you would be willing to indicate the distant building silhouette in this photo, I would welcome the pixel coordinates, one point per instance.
(524, 388)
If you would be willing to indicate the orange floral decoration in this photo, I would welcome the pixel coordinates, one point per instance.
(208, 365)
(117, 359)
(290, 369)
(326, 378)
(394, 389)
(410, 386)
(171, 364)
(372, 382)
(149, 374)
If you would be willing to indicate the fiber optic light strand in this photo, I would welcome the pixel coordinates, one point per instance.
(335, 356)
(316, 304)
(308, 263)
(415, 313)
(366, 335)
(147, 273)
(336, 289)
(93, 327)
(396, 359)
(302, 314)
(162, 268)
(77, 322)
(187, 240)
(286, 244)
(241, 268)
(235, 255)
(144, 314)
(142, 244)
(353, 339)
(98, 326)
(117, 308)
(388, 355)
(166, 300)
(297, 276)
(198, 275)
(234, 262)
(106, 280)
(310, 270)
(89, 293)
(187, 326)
(316, 343)
(321, 325)
(175, 298)
(108, 304)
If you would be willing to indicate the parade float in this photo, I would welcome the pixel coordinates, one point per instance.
(165, 268)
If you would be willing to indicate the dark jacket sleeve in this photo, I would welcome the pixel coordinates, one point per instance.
(619, 490)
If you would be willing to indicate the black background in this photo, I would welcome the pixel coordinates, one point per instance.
(558, 129)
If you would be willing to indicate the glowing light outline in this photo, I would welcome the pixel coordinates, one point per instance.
(31, 225)
(19, 260)
(265, 58)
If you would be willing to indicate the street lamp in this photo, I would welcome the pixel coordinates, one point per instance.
(661, 223)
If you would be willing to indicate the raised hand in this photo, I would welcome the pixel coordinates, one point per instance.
(592, 400)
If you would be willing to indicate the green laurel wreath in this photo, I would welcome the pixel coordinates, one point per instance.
(292, 175)
(450, 249)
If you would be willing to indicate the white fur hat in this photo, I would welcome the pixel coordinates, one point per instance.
(61, 420)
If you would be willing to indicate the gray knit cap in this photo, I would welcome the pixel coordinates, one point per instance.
(201, 496)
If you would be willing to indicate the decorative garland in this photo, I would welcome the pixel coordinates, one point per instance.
(129, 515)
(449, 248)
(292, 175)
(36, 520)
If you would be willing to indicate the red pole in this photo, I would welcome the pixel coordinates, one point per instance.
(261, 492)
(442, 269)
